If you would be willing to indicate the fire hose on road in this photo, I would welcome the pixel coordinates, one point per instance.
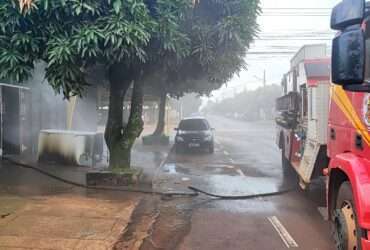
(241, 197)
(196, 191)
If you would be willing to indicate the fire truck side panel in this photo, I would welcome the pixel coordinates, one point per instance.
(303, 111)
(290, 144)
(360, 137)
(339, 127)
(339, 139)
(365, 243)
(295, 155)
(358, 173)
(348, 131)
(349, 150)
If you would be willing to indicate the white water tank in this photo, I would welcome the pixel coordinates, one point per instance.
(70, 147)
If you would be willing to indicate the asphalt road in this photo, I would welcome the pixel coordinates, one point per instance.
(246, 161)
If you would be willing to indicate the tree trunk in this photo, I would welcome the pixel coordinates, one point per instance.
(120, 138)
(135, 124)
(113, 131)
(161, 115)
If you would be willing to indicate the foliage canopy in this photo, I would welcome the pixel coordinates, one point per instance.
(185, 40)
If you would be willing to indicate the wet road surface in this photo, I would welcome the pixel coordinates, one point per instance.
(246, 161)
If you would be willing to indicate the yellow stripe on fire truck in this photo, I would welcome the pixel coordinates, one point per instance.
(344, 103)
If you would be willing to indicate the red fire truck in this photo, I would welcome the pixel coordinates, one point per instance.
(324, 122)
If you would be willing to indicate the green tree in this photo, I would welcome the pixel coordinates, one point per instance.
(201, 41)
(220, 33)
(72, 36)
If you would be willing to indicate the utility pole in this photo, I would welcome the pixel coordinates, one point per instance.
(263, 79)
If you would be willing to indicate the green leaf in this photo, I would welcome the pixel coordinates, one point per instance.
(78, 10)
(117, 5)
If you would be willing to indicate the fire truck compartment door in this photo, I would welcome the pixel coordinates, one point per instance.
(307, 164)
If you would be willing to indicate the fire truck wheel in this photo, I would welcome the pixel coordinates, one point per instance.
(347, 234)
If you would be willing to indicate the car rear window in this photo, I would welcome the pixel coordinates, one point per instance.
(193, 124)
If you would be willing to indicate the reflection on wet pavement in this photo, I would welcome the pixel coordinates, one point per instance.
(225, 179)
(246, 162)
(237, 166)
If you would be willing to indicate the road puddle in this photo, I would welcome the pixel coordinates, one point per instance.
(198, 169)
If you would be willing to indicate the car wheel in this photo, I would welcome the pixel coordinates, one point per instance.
(346, 232)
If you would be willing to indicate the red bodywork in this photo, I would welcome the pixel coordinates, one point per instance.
(349, 150)
(292, 144)
(348, 147)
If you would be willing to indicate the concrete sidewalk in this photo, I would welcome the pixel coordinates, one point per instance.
(37, 212)
(62, 222)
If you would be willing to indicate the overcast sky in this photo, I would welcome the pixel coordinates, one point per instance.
(285, 26)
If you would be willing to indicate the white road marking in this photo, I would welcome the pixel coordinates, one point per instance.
(232, 161)
(283, 233)
(226, 153)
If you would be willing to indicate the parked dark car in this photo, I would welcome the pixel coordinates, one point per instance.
(194, 133)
